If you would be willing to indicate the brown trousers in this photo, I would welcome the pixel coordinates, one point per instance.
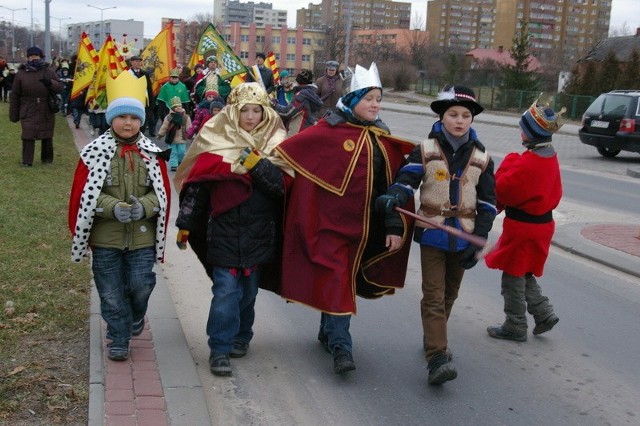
(28, 151)
(441, 278)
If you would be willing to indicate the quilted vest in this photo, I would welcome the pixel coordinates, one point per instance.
(435, 202)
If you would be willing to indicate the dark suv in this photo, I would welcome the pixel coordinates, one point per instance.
(612, 123)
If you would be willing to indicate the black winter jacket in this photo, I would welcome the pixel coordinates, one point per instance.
(244, 236)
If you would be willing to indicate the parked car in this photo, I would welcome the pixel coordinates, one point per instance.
(612, 123)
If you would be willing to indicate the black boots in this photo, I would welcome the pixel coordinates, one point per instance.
(499, 332)
(342, 361)
(440, 369)
(545, 325)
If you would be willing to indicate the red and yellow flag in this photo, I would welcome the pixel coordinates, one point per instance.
(160, 57)
(86, 66)
(196, 58)
(271, 63)
(111, 64)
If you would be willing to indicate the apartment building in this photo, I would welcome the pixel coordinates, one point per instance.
(261, 14)
(566, 27)
(122, 31)
(365, 14)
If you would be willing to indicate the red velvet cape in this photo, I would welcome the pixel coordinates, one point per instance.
(327, 219)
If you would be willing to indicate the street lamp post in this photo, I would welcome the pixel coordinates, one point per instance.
(102, 9)
(13, 34)
(60, 35)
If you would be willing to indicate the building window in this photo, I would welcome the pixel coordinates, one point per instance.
(291, 40)
(244, 38)
(291, 57)
(306, 41)
(306, 58)
(260, 39)
(275, 40)
(244, 54)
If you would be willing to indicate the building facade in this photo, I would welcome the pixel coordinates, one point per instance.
(122, 31)
(365, 14)
(261, 14)
(565, 27)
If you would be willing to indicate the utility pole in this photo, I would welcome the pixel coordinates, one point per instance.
(60, 35)
(102, 9)
(13, 33)
(47, 30)
(347, 36)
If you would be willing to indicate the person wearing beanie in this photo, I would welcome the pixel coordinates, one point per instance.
(174, 130)
(204, 112)
(174, 88)
(119, 210)
(32, 86)
(302, 111)
(330, 87)
(285, 88)
(342, 164)
(263, 72)
(231, 187)
(453, 174)
(528, 188)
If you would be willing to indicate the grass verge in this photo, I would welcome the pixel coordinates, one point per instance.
(44, 297)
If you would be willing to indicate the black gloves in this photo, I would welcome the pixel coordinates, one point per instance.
(469, 259)
(386, 203)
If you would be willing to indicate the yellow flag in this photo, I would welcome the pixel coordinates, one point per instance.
(212, 43)
(159, 58)
(86, 66)
(111, 64)
(195, 59)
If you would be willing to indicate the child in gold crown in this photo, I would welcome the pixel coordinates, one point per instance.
(528, 188)
(231, 188)
(119, 208)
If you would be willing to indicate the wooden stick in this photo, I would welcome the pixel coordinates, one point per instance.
(473, 239)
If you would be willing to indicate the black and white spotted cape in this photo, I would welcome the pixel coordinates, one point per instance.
(94, 164)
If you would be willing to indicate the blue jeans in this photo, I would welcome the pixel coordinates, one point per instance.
(232, 313)
(125, 280)
(336, 327)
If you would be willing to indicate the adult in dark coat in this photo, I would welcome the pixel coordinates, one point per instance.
(150, 121)
(29, 105)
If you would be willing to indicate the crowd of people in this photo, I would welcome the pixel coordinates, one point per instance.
(249, 163)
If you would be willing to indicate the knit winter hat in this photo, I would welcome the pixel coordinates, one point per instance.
(261, 55)
(126, 94)
(212, 59)
(123, 106)
(35, 50)
(217, 103)
(332, 64)
(304, 77)
(456, 96)
(540, 121)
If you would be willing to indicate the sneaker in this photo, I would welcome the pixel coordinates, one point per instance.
(499, 332)
(220, 364)
(118, 352)
(546, 325)
(239, 349)
(324, 340)
(343, 361)
(137, 327)
(440, 370)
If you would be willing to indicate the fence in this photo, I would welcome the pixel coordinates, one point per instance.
(498, 99)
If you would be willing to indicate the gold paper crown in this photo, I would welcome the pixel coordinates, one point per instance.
(545, 116)
(175, 101)
(126, 85)
(248, 93)
(363, 78)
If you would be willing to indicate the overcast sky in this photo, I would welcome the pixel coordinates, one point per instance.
(623, 12)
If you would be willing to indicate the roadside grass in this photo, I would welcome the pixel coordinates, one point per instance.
(44, 297)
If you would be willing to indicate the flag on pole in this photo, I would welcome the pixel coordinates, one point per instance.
(195, 59)
(271, 63)
(111, 64)
(160, 57)
(212, 43)
(86, 66)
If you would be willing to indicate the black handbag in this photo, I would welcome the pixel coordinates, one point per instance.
(54, 102)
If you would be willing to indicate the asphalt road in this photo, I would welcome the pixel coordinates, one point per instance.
(584, 372)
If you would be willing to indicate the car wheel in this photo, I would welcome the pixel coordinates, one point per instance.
(608, 152)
